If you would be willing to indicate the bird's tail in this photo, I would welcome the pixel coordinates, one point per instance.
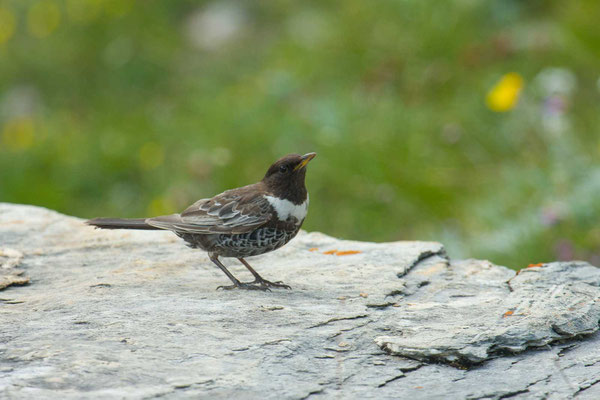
(120, 223)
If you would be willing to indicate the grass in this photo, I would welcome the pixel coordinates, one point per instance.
(127, 109)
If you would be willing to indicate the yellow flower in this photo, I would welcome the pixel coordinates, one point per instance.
(504, 95)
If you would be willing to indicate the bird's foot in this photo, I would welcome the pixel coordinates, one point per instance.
(268, 284)
(245, 286)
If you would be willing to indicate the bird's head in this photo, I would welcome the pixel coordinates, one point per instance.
(285, 177)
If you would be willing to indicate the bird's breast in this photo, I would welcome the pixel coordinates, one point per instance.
(285, 209)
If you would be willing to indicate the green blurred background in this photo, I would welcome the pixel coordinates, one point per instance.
(473, 123)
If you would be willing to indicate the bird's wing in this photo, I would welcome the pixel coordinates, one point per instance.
(234, 211)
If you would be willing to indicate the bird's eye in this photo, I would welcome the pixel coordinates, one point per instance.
(283, 169)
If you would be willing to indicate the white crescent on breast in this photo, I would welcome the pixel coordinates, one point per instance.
(286, 209)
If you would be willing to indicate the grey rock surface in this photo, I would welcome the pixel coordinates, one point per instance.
(135, 314)
(486, 314)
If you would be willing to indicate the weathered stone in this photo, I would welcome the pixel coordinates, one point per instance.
(9, 275)
(135, 314)
(470, 311)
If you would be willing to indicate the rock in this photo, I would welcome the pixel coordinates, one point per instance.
(9, 275)
(470, 311)
(135, 314)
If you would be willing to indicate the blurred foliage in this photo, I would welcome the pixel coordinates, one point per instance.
(472, 123)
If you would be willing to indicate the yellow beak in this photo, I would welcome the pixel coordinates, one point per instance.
(305, 159)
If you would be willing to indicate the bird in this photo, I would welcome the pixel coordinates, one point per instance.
(242, 222)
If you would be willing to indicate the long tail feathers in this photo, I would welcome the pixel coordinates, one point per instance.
(120, 223)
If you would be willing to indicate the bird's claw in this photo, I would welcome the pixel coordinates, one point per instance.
(278, 284)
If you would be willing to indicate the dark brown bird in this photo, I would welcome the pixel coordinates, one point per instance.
(240, 223)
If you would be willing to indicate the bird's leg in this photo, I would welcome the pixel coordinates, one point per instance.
(260, 280)
(236, 283)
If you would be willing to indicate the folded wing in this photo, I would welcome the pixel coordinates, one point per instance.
(234, 211)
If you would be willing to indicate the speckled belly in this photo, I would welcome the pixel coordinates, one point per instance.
(253, 243)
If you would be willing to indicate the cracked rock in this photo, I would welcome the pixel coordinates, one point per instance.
(135, 314)
(470, 313)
